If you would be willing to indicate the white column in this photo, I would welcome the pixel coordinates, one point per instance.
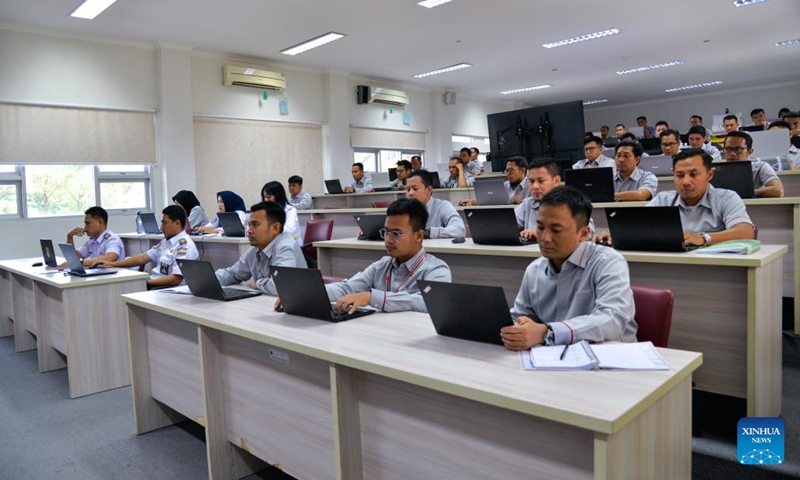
(440, 138)
(337, 156)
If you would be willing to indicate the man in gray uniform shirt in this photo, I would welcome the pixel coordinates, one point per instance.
(443, 220)
(362, 183)
(298, 198)
(459, 177)
(516, 184)
(577, 290)
(390, 284)
(473, 167)
(630, 181)
(738, 148)
(593, 148)
(270, 247)
(709, 215)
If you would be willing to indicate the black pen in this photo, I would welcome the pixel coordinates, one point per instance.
(563, 352)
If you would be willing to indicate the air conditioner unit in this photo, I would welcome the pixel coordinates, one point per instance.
(367, 94)
(251, 77)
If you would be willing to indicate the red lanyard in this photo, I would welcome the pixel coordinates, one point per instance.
(411, 271)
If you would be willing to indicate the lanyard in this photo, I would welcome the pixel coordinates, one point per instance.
(411, 272)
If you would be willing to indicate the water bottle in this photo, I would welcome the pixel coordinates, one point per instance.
(139, 225)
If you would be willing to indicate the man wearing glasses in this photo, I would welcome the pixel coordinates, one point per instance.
(670, 142)
(738, 148)
(390, 284)
(517, 184)
(403, 171)
(593, 148)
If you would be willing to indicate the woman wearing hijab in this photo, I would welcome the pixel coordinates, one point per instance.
(189, 202)
(227, 201)
(274, 192)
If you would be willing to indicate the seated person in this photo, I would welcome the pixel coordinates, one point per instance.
(177, 244)
(630, 181)
(576, 290)
(459, 177)
(661, 125)
(604, 132)
(227, 201)
(274, 192)
(416, 163)
(730, 123)
(443, 219)
(793, 158)
(298, 198)
(759, 118)
(191, 205)
(362, 183)
(471, 166)
(620, 130)
(103, 244)
(270, 246)
(670, 142)
(593, 148)
(403, 171)
(697, 139)
(390, 284)
(649, 132)
(738, 148)
(630, 137)
(709, 215)
(517, 184)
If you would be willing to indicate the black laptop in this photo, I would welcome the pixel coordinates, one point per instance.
(76, 266)
(370, 225)
(652, 229)
(48, 253)
(333, 186)
(435, 181)
(468, 312)
(736, 176)
(231, 224)
(302, 293)
(651, 145)
(494, 226)
(149, 223)
(596, 183)
(202, 282)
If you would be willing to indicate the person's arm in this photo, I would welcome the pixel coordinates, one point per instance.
(358, 283)
(741, 231)
(197, 217)
(75, 232)
(409, 300)
(642, 194)
(284, 256)
(292, 222)
(108, 257)
(236, 273)
(773, 189)
(462, 176)
(134, 261)
(305, 203)
(453, 225)
(166, 281)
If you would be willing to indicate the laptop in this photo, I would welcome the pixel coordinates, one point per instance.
(393, 174)
(651, 145)
(769, 144)
(302, 292)
(370, 226)
(491, 191)
(658, 165)
(231, 224)
(752, 128)
(469, 312)
(149, 223)
(435, 181)
(496, 226)
(736, 176)
(380, 182)
(202, 282)
(652, 229)
(76, 266)
(596, 183)
(333, 187)
(48, 253)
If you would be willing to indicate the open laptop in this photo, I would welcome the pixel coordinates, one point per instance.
(736, 176)
(393, 174)
(76, 266)
(302, 292)
(48, 253)
(658, 165)
(769, 144)
(231, 224)
(370, 226)
(435, 181)
(202, 282)
(596, 183)
(491, 191)
(652, 229)
(149, 223)
(333, 187)
(496, 226)
(380, 182)
(650, 145)
(480, 313)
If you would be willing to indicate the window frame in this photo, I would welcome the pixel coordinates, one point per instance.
(145, 176)
(15, 179)
(379, 161)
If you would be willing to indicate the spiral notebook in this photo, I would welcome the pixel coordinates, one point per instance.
(605, 356)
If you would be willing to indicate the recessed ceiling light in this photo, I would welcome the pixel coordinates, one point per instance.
(433, 3)
(526, 89)
(691, 87)
(592, 102)
(784, 43)
(451, 68)
(313, 43)
(91, 8)
(745, 3)
(582, 38)
(650, 67)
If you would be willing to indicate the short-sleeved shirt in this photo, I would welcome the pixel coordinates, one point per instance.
(106, 242)
(452, 182)
(363, 185)
(473, 167)
(762, 173)
(718, 210)
(302, 201)
(522, 189)
(794, 157)
(637, 180)
(165, 254)
(601, 161)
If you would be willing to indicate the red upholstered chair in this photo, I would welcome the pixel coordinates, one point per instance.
(332, 279)
(653, 314)
(382, 203)
(316, 231)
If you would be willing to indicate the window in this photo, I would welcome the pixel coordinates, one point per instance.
(10, 191)
(58, 189)
(368, 158)
(123, 187)
(383, 160)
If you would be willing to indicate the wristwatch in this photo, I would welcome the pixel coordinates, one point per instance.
(427, 233)
(706, 239)
(550, 337)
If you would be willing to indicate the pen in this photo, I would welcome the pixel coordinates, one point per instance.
(563, 352)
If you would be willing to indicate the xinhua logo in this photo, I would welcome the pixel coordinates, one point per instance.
(760, 441)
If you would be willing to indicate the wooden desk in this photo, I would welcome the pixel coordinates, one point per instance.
(364, 200)
(77, 323)
(379, 396)
(726, 306)
(220, 250)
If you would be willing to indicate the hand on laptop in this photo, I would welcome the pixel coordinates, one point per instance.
(471, 201)
(528, 235)
(278, 307)
(516, 199)
(93, 262)
(603, 238)
(690, 238)
(105, 264)
(524, 335)
(205, 229)
(352, 301)
(349, 189)
(251, 286)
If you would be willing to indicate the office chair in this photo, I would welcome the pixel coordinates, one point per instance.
(382, 203)
(316, 231)
(653, 314)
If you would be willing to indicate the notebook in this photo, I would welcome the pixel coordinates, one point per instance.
(202, 282)
(491, 191)
(736, 176)
(495, 226)
(76, 265)
(302, 293)
(596, 183)
(231, 224)
(604, 356)
(738, 247)
(651, 229)
(370, 226)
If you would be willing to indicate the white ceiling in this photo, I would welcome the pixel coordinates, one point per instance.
(394, 39)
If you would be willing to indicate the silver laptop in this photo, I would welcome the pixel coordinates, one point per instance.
(658, 165)
(491, 191)
(770, 144)
(76, 265)
(380, 181)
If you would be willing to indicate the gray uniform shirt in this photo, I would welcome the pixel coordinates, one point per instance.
(165, 254)
(590, 299)
(473, 167)
(107, 242)
(393, 285)
(363, 185)
(302, 201)
(197, 217)
(452, 182)
(637, 180)
(528, 211)
(601, 161)
(762, 173)
(521, 190)
(443, 220)
(794, 157)
(257, 264)
(398, 184)
(712, 150)
(718, 210)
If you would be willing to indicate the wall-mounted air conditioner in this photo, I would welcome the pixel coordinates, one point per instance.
(251, 77)
(368, 94)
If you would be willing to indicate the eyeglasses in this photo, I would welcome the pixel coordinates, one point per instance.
(590, 149)
(736, 150)
(511, 170)
(391, 234)
(668, 144)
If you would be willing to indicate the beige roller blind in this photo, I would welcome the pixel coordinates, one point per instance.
(243, 155)
(390, 139)
(51, 135)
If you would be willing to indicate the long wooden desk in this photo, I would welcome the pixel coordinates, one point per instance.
(364, 200)
(77, 323)
(220, 250)
(726, 306)
(380, 396)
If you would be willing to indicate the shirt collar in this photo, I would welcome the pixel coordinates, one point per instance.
(270, 249)
(177, 238)
(99, 238)
(704, 202)
(579, 258)
(410, 262)
(635, 176)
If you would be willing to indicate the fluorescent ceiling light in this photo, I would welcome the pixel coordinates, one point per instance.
(91, 8)
(592, 102)
(582, 38)
(784, 43)
(433, 3)
(451, 68)
(650, 67)
(745, 3)
(526, 89)
(313, 43)
(691, 87)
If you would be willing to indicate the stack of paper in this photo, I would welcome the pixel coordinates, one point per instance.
(582, 356)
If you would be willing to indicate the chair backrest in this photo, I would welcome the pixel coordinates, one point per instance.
(653, 314)
(316, 231)
(382, 203)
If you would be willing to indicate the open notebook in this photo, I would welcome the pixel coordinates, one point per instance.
(606, 356)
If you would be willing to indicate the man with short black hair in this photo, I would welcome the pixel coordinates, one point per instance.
(443, 219)
(593, 149)
(416, 163)
(576, 290)
(730, 123)
(697, 139)
(695, 120)
(670, 142)
(620, 129)
(649, 132)
(793, 158)
(473, 154)
(604, 130)
(459, 176)
(781, 113)
(661, 125)
(631, 182)
(759, 118)
(298, 198)
(103, 244)
(738, 148)
(362, 183)
(403, 171)
(473, 167)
